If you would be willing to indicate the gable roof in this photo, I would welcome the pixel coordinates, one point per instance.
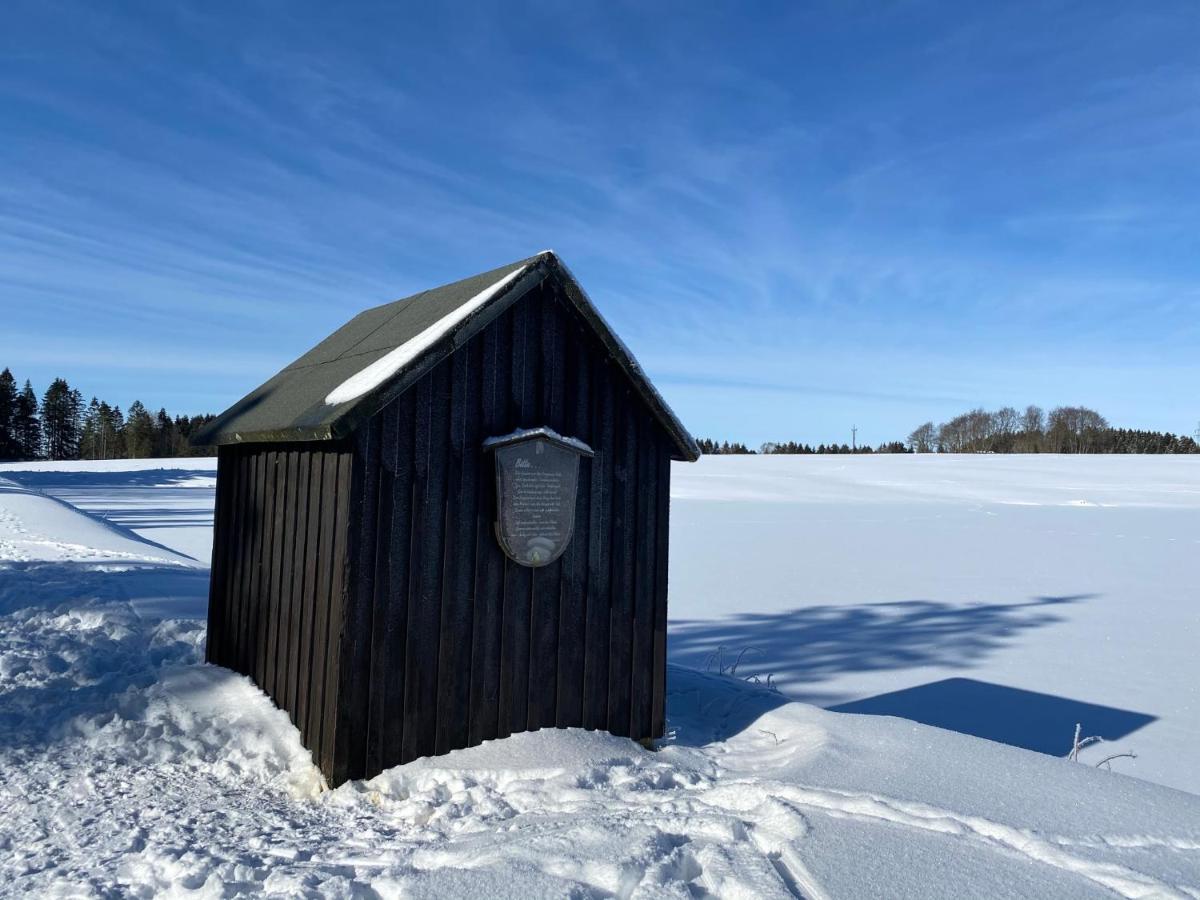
(373, 358)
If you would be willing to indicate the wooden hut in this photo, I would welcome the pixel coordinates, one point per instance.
(446, 523)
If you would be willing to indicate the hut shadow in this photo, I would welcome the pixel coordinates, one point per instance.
(806, 646)
(1039, 722)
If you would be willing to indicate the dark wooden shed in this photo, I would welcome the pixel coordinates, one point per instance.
(364, 573)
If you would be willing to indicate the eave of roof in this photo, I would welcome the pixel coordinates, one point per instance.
(293, 405)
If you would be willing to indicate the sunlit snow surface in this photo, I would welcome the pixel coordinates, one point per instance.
(128, 767)
(1076, 578)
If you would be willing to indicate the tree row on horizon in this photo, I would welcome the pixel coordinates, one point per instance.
(710, 447)
(1065, 429)
(62, 427)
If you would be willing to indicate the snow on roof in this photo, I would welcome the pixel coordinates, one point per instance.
(384, 368)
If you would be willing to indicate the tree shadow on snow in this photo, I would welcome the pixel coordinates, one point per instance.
(117, 497)
(120, 518)
(809, 645)
(106, 478)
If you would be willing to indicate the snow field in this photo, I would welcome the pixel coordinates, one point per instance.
(853, 578)
(168, 502)
(128, 767)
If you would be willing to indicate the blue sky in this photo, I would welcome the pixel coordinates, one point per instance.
(801, 217)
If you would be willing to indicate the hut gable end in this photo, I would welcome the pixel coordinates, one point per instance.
(483, 647)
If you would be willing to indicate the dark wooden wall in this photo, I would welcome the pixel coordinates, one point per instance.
(362, 587)
(447, 642)
(279, 577)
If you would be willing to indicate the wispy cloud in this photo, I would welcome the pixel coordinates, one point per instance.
(834, 203)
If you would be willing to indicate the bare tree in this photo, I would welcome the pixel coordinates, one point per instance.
(970, 432)
(922, 439)
(1031, 429)
(1033, 421)
(1073, 429)
(1006, 424)
(951, 436)
(979, 428)
(1006, 420)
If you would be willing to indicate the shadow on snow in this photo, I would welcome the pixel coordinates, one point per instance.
(107, 478)
(807, 646)
(118, 511)
(86, 666)
(1039, 722)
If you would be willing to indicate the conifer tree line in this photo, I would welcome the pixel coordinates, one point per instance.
(61, 426)
(793, 448)
(710, 447)
(1065, 429)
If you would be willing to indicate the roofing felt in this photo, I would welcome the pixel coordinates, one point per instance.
(378, 354)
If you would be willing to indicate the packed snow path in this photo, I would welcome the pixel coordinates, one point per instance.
(128, 767)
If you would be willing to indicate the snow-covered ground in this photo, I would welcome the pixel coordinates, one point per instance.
(1003, 596)
(1006, 596)
(166, 501)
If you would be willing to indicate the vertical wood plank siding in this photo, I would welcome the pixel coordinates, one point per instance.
(272, 579)
(361, 585)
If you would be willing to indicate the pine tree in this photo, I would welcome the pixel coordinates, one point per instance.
(10, 445)
(61, 410)
(27, 425)
(164, 435)
(77, 410)
(118, 428)
(89, 434)
(139, 432)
